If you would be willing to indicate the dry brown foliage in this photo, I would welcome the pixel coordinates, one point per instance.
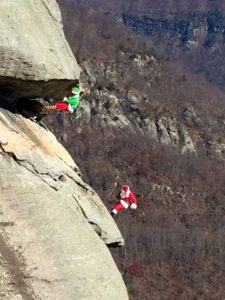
(175, 240)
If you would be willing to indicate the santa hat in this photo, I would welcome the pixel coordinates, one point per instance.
(125, 188)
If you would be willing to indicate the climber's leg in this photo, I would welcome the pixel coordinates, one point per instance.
(117, 207)
(62, 106)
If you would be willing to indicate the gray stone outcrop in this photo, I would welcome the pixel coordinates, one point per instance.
(151, 128)
(33, 46)
(186, 141)
(190, 114)
(163, 134)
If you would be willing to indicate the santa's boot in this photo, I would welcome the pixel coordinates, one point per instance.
(113, 212)
(48, 108)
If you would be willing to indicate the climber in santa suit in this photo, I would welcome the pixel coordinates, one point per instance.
(68, 104)
(127, 199)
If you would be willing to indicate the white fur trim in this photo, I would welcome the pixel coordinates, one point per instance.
(70, 108)
(133, 206)
(114, 211)
(125, 204)
(76, 93)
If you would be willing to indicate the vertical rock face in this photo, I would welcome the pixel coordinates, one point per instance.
(53, 226)
(33, 46)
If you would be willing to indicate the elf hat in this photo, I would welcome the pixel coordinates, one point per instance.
(76, 90)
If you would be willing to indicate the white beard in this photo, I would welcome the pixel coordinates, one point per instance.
(125, 194)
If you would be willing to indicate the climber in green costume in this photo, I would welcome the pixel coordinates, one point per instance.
(69, 104)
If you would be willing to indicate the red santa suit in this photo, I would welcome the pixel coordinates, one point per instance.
(127, 199)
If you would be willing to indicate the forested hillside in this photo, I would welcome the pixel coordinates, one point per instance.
(190, 32)
(175, 240)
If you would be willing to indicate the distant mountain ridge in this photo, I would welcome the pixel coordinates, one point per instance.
(153, 6)
(190, 32)
(196, 40)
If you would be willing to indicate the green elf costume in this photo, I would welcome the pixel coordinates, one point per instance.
(68, 104)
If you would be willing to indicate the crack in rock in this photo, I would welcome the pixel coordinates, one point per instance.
(30, 167)
(95, 226)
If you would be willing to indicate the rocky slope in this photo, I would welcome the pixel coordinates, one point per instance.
(175, 121)
(53, 227)
(155, 97)
(126, 110)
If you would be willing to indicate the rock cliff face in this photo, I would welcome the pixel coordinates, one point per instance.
(53, 227)
(33, 47)
(126, 111)
(51, 220)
